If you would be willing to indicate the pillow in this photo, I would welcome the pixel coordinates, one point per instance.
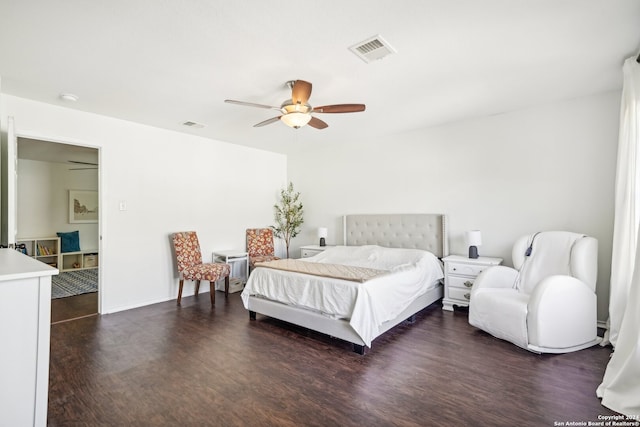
(70, 241)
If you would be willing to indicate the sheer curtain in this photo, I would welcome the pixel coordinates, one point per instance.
(620, 388)
(627, 199)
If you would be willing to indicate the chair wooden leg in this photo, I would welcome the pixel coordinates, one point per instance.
(197, 287)
(212, 292)
(226, 287)
(180, 291)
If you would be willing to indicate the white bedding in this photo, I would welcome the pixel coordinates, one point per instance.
(365, 305)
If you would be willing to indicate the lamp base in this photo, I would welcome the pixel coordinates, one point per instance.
(473, 252)
(322, 242)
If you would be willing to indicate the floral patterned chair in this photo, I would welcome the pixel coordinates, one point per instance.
(260, 245)
(190, 266)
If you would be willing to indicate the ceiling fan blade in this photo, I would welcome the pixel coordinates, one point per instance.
(251, 104)
(300, 92)
(317, 123)
(267, 122)
(340, 108)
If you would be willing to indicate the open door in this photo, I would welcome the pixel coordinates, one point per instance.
(10, 187)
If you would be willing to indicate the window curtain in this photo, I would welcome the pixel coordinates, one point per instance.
(627, 199)
(620, 388)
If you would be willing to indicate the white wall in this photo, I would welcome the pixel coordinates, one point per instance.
(550, 167)
(170, 182)
(545, 168)
(43, 195)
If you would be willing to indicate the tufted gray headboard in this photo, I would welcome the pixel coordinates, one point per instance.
(413, 231)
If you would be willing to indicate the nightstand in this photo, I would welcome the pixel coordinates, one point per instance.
(311, 250)
(459, 275)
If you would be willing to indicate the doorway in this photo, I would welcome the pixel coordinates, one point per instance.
(57, 198)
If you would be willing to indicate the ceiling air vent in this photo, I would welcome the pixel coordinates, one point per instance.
(194, 125)
(372, 49)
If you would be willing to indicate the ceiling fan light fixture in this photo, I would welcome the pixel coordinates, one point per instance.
(295, 119)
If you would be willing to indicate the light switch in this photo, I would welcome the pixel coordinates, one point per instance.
(123, 205)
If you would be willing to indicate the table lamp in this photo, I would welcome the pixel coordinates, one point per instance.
(322, 234)
(474, 239)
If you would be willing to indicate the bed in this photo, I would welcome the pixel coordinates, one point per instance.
(388, 269)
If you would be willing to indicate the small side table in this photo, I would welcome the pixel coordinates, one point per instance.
(311, 250)
(232, 257)
(459, 275)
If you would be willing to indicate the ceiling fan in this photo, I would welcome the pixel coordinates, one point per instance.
(296, 112)
(89, 165)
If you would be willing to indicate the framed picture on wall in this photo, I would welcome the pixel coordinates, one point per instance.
(83, 206)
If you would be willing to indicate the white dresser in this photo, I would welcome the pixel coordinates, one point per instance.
(459, 275)
(25, 323)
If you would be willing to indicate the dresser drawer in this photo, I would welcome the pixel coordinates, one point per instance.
(464, 269)
(460, 294)
(461, 282)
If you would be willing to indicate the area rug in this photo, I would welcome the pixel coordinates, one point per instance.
(70, 283)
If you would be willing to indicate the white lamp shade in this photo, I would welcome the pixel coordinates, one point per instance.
(474, 238)
(323, 232)
(296, 120)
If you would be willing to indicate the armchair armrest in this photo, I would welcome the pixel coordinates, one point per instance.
(498, 276)
(562, 313)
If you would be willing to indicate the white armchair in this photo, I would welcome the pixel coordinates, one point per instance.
(547, 302)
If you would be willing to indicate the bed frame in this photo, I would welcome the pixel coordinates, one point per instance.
(413, 231)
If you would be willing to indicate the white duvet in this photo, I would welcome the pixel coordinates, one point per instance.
(365, 305)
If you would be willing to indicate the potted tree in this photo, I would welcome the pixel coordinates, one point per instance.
(288, 215)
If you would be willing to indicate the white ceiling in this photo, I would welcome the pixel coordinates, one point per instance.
(166, 62)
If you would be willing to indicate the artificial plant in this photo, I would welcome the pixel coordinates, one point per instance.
(288, 215)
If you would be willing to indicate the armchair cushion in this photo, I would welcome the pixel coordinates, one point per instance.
(562, 310)
(187, 248)
(260, 241)
(503, 311)
(499, 276)
(550, 254)
(261, 258)
(260, 245)
(210, 272)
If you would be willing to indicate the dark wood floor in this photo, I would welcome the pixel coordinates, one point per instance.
(164, 365)
(64, 309)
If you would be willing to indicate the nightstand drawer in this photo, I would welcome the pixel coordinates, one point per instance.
(461, 282)
(459, 275)
(311, 250)
(305, 253)
(460, 294)
(464, 269)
